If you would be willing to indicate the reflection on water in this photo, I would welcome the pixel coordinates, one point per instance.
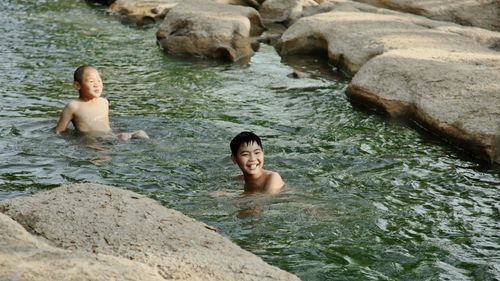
(366, 198)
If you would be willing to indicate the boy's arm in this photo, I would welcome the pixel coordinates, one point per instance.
(274, 184)
(65, 118)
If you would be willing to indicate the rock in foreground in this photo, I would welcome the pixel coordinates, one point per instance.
(116, 233)
(23, 257)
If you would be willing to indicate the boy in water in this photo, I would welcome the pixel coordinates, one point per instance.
(247, 152)
(89, 113)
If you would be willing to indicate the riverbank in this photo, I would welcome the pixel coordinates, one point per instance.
(440, 74)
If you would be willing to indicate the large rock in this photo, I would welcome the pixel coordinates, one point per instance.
(284, 11)
(479, 13)
(206, 29)
(350, 39)
(142, 12)
(104, 227)
(248, 3)
(454, 93)
(23, 257)
(442, 74)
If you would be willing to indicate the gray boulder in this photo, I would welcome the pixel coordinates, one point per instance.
(141, 12)
(454, 94)
(284, 11)
(203, 28)
(350, 39)
(94, 221)
(23, 257)
(478, 13)
(442, 74)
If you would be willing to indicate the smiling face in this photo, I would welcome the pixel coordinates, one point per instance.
(90, 85)
(250, 159)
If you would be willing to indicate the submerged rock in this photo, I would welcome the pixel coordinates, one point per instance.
(205, 29)
(116, 234)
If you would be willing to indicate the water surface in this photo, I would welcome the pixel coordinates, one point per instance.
(366, 198)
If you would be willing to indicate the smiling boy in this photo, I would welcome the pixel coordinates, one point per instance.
(248, 153)
(89, 113)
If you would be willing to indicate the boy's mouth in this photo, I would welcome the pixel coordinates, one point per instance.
(253, 166)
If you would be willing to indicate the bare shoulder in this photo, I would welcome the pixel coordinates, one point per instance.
(274, 182)
(68, 113)
(73, 105)
(274, 175)
(103, 100)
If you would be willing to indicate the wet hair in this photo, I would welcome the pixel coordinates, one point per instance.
(244, 137)
(78, 75)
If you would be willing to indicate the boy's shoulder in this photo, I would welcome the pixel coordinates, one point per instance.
(74, 104)
(272, 175)
(102, 100)
(274, 182)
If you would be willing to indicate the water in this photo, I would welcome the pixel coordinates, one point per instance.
(366, 198)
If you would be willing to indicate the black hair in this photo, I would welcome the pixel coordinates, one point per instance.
(78, 75)
(244, 137)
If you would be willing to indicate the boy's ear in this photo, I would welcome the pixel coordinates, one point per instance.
(76, 85)
(233, 159)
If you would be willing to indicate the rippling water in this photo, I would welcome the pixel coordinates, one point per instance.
(366, 198)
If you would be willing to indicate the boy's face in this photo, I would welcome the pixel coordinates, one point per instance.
(250, 158)
(90, 85)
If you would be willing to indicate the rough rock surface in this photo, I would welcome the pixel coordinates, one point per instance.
(479, 13)
(206, 29)
(115, 232)
(23, 257)
(142, 12)
(286, 11)
(249, 3)
(455, 94)
(445, 75)
(352, 38)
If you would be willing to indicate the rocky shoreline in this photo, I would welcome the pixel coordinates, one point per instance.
(415, 62)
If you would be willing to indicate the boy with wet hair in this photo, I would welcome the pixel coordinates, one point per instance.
(89, 113)
(248, 153)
